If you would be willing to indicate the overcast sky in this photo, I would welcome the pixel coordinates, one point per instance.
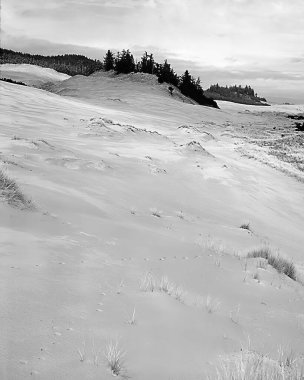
(256, 42)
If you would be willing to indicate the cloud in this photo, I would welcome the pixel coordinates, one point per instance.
(297, 59)
(44, 47)
(242, 37)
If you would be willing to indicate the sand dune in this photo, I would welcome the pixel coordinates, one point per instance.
(30, 74)
(135, 237)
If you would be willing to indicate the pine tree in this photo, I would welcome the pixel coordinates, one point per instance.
(108, 61)
(166, 74)
(186, 83)
(147, 63)
(124, 62)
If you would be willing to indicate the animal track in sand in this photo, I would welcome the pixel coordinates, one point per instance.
(116, 100)
(163, 258)
(155, 170)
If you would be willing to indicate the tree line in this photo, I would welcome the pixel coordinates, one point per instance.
(234, 92)
(71, 64)
(12, 81)
(123, 62)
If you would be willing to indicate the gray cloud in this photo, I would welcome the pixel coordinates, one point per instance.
(254, 41)
(44, 47)
(297, 59)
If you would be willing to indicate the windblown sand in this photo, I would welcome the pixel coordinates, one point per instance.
(127, 180)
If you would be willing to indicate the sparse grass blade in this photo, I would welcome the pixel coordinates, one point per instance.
(212, 304)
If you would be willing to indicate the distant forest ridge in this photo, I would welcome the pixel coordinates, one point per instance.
(124, 62)
(8, 80)
(237, 94)
(71, 64)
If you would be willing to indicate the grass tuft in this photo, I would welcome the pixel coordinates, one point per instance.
(245, 226)
(212, 304)
(114, 357)
(165, 285)
(148, 283)
(132, 320)
(11, 193)
(281, 264)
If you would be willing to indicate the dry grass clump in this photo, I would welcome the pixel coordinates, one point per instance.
(11, 193)
(132, 320)
(256, 276)
(263, 252)
(281, 264)
(82, 352)
(212, 304)
(114, 357)
(250, 365)
(150, 284)
(245, 226)
(165, 285)
(178, 293)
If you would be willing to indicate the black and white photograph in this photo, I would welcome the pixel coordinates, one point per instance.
(152, 189)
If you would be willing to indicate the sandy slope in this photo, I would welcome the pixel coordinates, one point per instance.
(30, 74)
(129, 92)
(143, 184)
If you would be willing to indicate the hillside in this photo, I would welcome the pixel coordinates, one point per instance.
(122, 63)
(31, 75)
(127, 91)
(121, 185)
(70, 64)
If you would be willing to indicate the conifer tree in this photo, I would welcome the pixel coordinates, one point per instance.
(108, 61)
(147, 63)
(166, 74)
(124, 62)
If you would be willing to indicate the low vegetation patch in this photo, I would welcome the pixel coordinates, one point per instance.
(281, 264)
(251, 365)
(150, 284)
(11, 193)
